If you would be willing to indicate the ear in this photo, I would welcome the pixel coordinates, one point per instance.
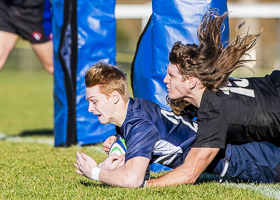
(192, 82)
(115, 95)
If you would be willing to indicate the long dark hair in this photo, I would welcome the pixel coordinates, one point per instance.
(209, 61)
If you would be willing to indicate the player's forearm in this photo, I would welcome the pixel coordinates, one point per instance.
(121, 177)
(131, 174)
(178, 176)
(195, 163)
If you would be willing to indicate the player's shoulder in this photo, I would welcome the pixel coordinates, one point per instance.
(143, 107)
(138, 121)
(215, 104)
(141, 111)
(144, 102)
(210, 99)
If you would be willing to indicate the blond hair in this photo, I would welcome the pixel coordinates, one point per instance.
(109, 78)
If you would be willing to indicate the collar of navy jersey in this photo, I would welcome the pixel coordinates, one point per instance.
(130, 104)
(120, 130)
(129, 109)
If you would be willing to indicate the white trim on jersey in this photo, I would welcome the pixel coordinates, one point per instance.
(174, 119)
(167, 152)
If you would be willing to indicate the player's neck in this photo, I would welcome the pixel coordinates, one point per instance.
(198, 97)
(120, 114)
(195, 95)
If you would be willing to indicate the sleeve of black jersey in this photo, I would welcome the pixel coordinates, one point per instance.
(212, 130)
(141, 139)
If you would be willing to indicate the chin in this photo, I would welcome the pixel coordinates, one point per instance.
(102, 122)
(171, 96)
(174, 96)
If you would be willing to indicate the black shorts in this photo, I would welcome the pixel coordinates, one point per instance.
(25, 22)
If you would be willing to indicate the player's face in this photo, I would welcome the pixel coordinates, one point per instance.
(176, 87)
(100, 104)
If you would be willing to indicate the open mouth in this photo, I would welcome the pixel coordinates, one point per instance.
(98, 115)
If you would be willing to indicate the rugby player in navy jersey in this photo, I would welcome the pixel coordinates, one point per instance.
(147, 129)
(228, 111)
(154, 135)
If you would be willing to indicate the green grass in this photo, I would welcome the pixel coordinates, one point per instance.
(40, 171)
(32, 170)
(26, 102)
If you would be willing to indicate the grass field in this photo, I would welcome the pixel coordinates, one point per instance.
(31, 168)
(26, 102)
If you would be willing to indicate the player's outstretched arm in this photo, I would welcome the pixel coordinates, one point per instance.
(195, 163)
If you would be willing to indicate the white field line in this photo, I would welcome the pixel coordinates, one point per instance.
(49, 141)
(269, 190)
(29, 139)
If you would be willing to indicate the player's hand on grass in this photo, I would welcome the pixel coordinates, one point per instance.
(112, 162)
(108, 143)
(84, 164)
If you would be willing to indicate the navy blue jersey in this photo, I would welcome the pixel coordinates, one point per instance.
(245, 111)
(157, 134)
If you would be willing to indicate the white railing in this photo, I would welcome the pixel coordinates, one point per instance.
(236, 10)
(134, 11)
(254, 10)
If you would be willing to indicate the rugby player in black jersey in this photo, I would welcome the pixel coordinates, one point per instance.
(228, 111)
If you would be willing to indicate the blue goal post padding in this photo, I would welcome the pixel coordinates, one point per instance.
(84, 32)
(171, 21)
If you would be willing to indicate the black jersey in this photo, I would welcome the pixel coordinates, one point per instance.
(245, 111)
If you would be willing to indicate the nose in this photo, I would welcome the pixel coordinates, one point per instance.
(166, 79)
(91, 107)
